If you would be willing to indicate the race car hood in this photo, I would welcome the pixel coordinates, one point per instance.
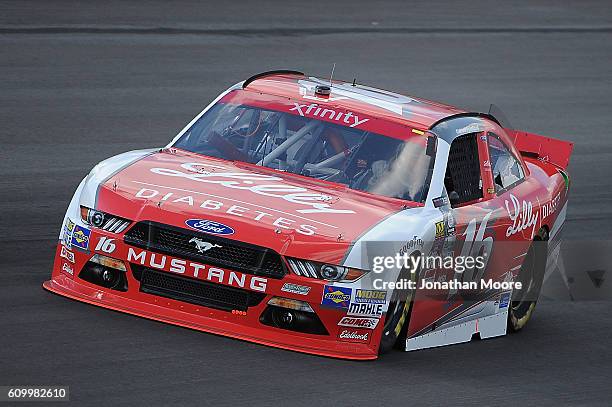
(294, 215)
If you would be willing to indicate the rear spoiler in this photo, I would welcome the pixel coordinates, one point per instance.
(543, 148)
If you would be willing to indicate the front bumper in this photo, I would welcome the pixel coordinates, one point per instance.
(246, 327)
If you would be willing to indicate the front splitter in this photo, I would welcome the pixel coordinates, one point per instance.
(64, 286)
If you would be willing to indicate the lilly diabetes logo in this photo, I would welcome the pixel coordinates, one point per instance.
(80, 237)
(208, 226)
(336, 297)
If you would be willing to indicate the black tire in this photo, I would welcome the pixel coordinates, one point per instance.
(531, 275)
(396, 320)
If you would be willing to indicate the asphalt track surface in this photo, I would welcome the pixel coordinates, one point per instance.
(81, 82)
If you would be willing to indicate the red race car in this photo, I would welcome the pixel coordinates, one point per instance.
(302, 213)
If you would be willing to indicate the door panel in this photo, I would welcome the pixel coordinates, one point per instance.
(497, 225)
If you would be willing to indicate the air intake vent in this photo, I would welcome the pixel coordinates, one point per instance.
(195, 291)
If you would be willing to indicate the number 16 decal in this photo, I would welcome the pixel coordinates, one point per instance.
(106, 245)
(475, 245)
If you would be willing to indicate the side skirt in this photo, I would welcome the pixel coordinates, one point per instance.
(486, 319)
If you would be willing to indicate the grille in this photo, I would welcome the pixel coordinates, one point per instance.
(232, 254)
(116, 224)
(195, 291)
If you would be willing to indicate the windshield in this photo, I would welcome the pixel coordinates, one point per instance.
(328, 143)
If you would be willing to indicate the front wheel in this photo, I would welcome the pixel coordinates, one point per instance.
(531, 276)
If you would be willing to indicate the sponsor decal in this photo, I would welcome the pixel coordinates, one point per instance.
(370, 296)
(449, 218)
(208, 226)
(203, 246)
(551, 207)
(106, 245)
(67, 235)
(346, 117)
(260, 184)
(437, 247)
(295, 289)
(365, 309)
(359, 322)
(470, 128)
(197, 270)
(490, 190)
(440, 201)
(440, 229)
(450, 231)
(80, 237)
(354, 335)
(521, 215)
(411, 244)
(504, 300)
(336, 297)
(67, 254)
(228, 209)
(68, 268)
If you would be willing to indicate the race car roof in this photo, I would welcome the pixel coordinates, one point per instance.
(414, 112)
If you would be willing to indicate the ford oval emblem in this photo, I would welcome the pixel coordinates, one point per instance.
(208, 226)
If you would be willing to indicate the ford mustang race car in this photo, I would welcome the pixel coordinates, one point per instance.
(266, 217)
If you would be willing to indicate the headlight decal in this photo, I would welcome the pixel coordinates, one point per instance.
(103, 220)
(322, 271)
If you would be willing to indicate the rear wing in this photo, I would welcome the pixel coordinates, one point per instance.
(543, 148)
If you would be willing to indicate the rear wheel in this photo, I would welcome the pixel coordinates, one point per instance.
(396, 320)
(531, 276)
